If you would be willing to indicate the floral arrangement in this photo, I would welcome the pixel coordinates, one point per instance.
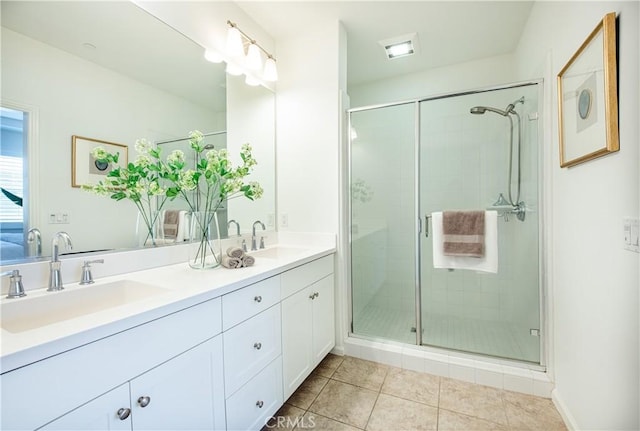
(150, 182)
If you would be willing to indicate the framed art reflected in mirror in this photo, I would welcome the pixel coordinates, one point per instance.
(85, 168)
(588, 98)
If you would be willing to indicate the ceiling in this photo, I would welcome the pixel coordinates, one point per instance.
(125, 39)
(449, 32)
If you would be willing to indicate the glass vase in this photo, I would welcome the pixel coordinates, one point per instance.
(205, 246)
(149, 229)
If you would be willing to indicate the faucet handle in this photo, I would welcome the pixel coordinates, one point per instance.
(87, 277)
(244, 245)
(261, 242)
(16, 289)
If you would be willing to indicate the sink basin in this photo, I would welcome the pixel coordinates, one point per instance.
(277, 252)
(51, 307)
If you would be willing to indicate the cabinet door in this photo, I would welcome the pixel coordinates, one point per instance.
(110, 411)
(296, 339)
(323, 332)
(185, 392)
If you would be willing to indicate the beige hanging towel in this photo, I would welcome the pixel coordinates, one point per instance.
(463, 233)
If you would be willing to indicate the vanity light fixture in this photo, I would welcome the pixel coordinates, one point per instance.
(237, 40)
(400, 46)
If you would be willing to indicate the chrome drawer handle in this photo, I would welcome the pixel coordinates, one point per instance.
(258, 298)
(123, 413)
(257, 346)
(260, 404)
(144, 401)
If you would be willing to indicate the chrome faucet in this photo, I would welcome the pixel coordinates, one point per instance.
(253, 235)
(87, 277)
(34, 235)
(55, 277)
(16, 289)
(237, 226)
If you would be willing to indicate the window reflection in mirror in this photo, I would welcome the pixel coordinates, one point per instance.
(12, 185)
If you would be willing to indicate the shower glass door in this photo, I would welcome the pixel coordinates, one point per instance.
(464, 165)
(383, 222)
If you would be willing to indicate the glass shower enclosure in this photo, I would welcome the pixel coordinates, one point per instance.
(472, 151)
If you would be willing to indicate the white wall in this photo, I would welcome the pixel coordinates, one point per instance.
(594, 280)
(307, 129)
(251, 119)
(63, 90)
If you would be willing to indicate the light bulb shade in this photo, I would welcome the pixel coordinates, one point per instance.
(254, 58)
(234, 70)
(235, 47)
(213, 56)
(270, 70)
(251, 80)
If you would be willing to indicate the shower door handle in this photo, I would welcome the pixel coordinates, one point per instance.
(426, 225)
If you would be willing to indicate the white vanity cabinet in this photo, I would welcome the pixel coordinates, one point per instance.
(37, 394)
(179, 394)
(308, 328)
(226, 362)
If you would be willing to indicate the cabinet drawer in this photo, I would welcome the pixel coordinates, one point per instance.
(250, 346)
(240, 305)
(298, 278)
(257, 401)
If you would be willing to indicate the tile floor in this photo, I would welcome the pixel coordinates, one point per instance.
(350, 394)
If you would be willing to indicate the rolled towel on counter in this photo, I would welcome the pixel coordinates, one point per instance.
(231, 262)
(236, 252)
(248, 260)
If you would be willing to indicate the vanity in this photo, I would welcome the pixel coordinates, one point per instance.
(186, 349)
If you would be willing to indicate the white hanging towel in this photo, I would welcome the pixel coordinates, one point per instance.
(488, 263)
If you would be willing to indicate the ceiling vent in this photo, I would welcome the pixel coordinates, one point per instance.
(400, 46)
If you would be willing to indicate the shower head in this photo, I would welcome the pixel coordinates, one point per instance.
(483, 109)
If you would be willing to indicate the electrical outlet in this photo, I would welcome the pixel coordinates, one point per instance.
(59, 218)
(284, 220)
(271, 220)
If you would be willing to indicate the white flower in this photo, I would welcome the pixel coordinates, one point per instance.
(99, 153)
(143, 146)
(196, 136)
(176, 156)
(256, 189)
(143, 160)
(187, 181)
(155, 189)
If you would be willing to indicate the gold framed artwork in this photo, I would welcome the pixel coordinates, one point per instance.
(588, 98)
(85, 169)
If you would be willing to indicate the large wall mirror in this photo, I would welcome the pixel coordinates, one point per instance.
(112, 72)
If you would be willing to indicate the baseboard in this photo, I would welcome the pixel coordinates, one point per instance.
(567, 417)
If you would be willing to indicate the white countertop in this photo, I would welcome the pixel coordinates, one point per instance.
(185, 287)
